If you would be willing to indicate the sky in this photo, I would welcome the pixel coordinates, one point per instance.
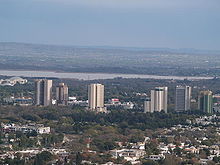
(129, 23)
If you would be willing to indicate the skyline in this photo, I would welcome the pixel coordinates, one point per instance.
(109, 82)
(189, 24)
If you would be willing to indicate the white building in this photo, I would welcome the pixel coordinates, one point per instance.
(158, 99)
(131, 155)
(96, 97)
(43, 130)
(12, 81)
(39, 128)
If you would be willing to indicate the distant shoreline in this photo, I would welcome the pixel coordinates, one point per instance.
(90, 76)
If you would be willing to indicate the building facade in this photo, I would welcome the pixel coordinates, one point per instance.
(159, 99)
(96, 97)
(182, 98)
(205, 101)
(43, 92)
(62, 94)
(147, 106)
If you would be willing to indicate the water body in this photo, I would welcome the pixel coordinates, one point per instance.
(90, 76)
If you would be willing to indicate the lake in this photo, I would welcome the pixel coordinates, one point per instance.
(90, 76)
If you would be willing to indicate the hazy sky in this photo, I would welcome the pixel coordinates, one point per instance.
(138, 23)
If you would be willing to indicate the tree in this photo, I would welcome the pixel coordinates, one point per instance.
(151, 148)
(42, 158)
(78, 158)
(216, 159)
(178, 151)
(149, 162)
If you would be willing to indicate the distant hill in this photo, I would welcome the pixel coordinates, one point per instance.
(160, 61)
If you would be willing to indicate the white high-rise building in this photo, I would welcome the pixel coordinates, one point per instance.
(96, 97)
(43, 91)
(159, 99)
(183, 98)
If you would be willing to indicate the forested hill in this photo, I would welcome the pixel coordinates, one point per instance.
(158, 61)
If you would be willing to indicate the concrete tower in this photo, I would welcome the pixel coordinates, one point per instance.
(43, 92)
(62, 94)
(182, 98)
(159, 99)
(205, 101)
(147, 106)
(96, 97)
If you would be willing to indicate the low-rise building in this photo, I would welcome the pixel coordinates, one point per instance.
(12, 81)
(39, 128)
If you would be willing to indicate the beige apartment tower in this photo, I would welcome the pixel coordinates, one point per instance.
(43, 92)
(147, 106)
(159, 99)
(96, 97)
(62, 94)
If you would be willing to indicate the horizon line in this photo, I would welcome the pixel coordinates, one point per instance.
(112, 46)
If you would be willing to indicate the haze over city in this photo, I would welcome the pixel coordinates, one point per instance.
(109, 82)
(130, 23)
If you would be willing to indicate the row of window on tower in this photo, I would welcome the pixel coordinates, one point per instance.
(43, 92)
(158, 100)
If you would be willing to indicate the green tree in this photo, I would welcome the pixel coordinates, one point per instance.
(78, 158)
(216, 159)
(42, 158)
(149, 162)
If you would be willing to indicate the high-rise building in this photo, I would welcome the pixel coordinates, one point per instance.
(96, 97)
(205, 101)
(147, 106)
(183, 98)
(43, 91)
(159, 99)
(62, 94)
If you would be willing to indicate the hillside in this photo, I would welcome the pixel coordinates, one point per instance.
(183, 62)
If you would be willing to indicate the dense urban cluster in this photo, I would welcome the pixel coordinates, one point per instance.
(45, 123)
